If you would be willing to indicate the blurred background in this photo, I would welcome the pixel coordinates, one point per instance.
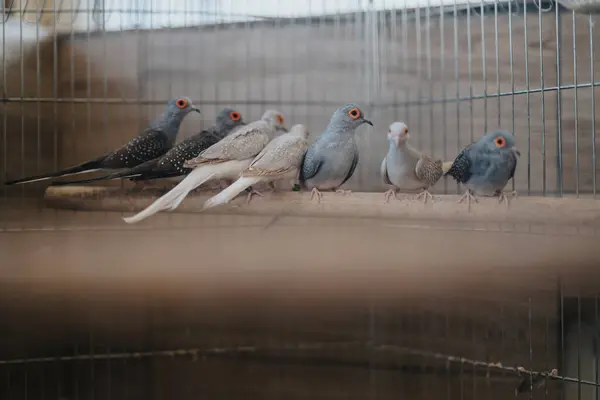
(229, 306)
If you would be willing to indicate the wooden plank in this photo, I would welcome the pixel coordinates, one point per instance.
(566, 211)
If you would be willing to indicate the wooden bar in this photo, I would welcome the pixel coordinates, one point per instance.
(547, 210)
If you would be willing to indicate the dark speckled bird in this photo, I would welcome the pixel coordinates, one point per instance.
(158, 138)
(536, 381)
(486, 166)
(170, 165)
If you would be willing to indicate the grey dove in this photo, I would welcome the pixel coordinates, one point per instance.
(280, 159)
(153, 142)
(331, 160)
(223, 160)
(486, 165)
(170, 165)
(405, 168)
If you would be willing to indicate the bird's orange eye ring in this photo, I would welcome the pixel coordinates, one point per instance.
(181, 103)
(500, 142)
(405, 131)
(235, 116)
(279, 119)
(354, 113)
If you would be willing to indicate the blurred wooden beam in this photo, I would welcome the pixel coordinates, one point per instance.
(547, 210)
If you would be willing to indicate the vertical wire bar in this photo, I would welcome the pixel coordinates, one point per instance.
(559, 164)
(540, 19)
(88, 80)
(92, 366)
(470, 70)
(527, 96)
(497, 48)
(547, 350)
(4, 113)
(576, 105)
(429, 75)
(593, 79)
(596, 341)
(22, 91)
(457, 79)
(484, 68)
(512, 72)
(443, 83)
(419, 54)
(530, 329)
(562, 329)
(578, 342)
(38, 90)
(405, 61)
(105, 78)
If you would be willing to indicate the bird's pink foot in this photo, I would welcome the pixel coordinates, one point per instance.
(392, 192)
(503, 198)
(316, 193)
(425, 195)
(468, 196)
(251, 193)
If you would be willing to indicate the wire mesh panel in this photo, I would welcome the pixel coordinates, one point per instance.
(226, 306)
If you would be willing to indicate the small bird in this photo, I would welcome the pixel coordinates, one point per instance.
(280, 159)
(153, 142)
(223, 160)
(406, 168)
(486, 166)
(531, 381)
(170, 165)
(331, 160)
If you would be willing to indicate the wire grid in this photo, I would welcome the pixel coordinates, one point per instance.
(377, 348)
(451, 71)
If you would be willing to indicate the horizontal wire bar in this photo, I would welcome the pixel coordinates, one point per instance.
(196, 353)
(81, 100)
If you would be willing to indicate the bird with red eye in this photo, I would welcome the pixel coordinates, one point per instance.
(486, 166)
(331, 160)
(170, 165)
(153, 142)
(185, 104)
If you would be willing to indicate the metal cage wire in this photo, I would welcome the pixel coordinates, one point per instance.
(81, 77)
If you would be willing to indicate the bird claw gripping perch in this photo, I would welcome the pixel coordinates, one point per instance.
(468, 197)
(252, 192)
(425, 195)
(391, 193)
(316, 193)
(503, 197)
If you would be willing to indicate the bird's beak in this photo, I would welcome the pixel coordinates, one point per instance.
(516, 151)
(366, 121)
(196, 109)
(283, 129)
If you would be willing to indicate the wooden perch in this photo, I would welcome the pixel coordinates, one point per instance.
(548, 210)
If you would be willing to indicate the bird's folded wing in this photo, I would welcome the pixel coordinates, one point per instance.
(383, 172)
(245, 143)
(147, 146)
(428, 170)
(280, 156)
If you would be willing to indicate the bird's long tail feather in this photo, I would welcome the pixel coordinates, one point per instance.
(229, 193)
(88, 166)
(175, 196)
(128, 173)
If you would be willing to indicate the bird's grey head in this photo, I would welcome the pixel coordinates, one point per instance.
(300, 130)
(500, 141)
(275, 118)
(179, 108)
(347, 118)
(228, 119)
(398, 133)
